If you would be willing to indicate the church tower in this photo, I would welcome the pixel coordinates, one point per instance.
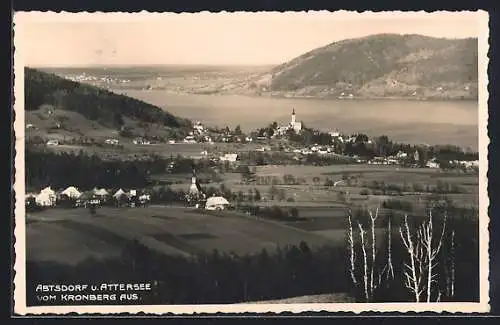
(293, 117)
(194, 188)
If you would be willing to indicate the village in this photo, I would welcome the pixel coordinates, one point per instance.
(356, 149)
(292, 139)
(71, 197)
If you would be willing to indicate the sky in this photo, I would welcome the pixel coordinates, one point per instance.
(64, 39)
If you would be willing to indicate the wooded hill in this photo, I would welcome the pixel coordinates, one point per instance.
(96, 104)
(384, 65)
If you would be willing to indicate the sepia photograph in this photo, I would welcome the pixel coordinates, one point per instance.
(251, 162)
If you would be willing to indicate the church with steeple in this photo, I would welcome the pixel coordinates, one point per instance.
(296, 126)
(195, 188)
(292, 125)
(195, 195)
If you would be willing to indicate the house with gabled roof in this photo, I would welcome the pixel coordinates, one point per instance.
(71, 192)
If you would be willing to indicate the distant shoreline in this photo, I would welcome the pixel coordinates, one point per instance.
(282, 96)
(402, 98)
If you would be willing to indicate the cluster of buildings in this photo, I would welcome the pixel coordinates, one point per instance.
(216, 157)
(141, 141)
(48, 197)
(87, 78)
(391, 160)
(315, 149)
(72, 197)
(110, 141)
(113, 142)
(465, 164)
(200, 133)
(197, 198)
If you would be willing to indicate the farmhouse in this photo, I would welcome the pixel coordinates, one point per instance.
(49, 191)
(401, 154)
(100, 193)
(231, 157)
(52, 143)
(216, 203)
(140, 141)
(189, 139)
(71, 192)
(433, 163)
(44, 200)
(111, 141)
(119, 194)
(46, 197)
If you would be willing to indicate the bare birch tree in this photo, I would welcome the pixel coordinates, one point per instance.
(372, 271)
(352, 258)
(420, 272)
(388, 269)
(432, 252)
(450, 268)
(369, 270)
(412, 275)
(362, 233)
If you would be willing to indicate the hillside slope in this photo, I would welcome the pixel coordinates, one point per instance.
(379, 66)
(104, 107)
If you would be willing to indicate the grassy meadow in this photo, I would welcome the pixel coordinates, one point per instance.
(70, 236)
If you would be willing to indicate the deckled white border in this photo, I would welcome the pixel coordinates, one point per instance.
(20, 307)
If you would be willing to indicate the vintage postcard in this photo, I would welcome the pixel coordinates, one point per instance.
(251, 162)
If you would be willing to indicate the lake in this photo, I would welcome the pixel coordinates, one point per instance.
(431, 122)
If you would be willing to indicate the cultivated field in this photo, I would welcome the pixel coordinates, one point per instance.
(312, 193)
(72, 235)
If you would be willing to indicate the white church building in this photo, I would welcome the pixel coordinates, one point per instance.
(195, 195)
(293, 125)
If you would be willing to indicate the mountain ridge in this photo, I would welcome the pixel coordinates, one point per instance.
(376, 66)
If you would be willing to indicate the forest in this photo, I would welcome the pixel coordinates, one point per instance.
(94, 103)
(84, 171)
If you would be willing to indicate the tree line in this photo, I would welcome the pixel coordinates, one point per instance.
(59, 170)
(92, 102)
